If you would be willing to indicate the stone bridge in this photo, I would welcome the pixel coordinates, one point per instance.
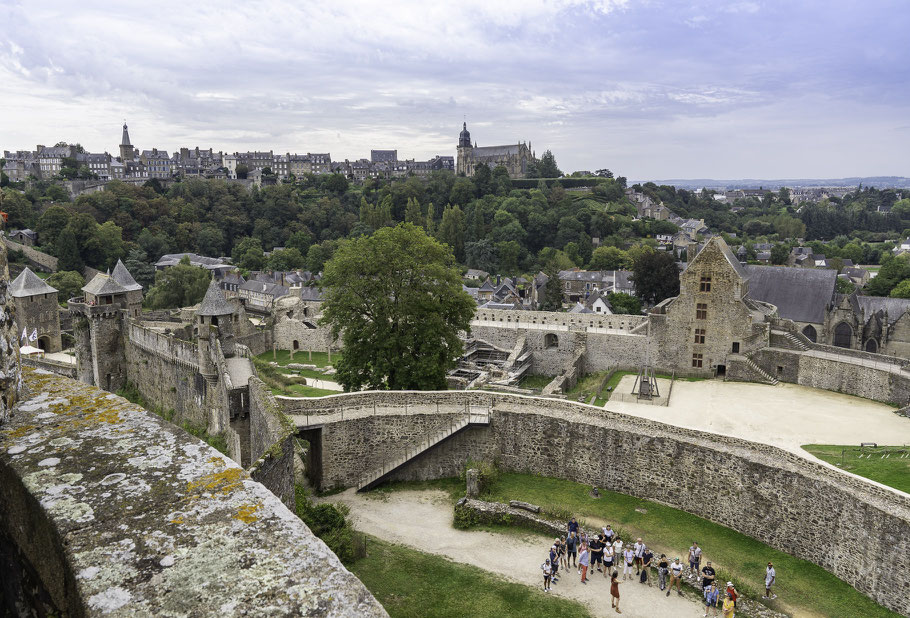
(802, 507)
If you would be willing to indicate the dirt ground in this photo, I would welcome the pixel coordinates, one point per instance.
(784, 415)
(423, 520)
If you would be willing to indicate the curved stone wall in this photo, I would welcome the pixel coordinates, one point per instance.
(112, 510)
(855, 529)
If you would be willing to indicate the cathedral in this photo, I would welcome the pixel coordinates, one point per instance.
(514, 157)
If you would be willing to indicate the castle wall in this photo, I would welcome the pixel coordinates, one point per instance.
(42, 313)
(122, 524)
(271, 444)
(39, 259)
(798, 506)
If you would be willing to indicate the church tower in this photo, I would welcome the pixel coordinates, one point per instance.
(126, 149)
(464, 152)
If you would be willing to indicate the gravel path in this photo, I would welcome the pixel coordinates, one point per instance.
(423, 520)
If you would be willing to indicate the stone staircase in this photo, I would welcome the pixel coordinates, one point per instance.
(766, 377)
(787, 341)
(515, 354)
(474, 417)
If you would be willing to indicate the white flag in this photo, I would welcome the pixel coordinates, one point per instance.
(34, 335)
(24, 334)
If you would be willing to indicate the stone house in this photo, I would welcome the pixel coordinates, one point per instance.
(578, 285)
(25, 237)
(260, 295)
(37, 312)
(598, 303)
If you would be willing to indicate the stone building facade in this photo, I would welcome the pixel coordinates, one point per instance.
(37, 312)
(514, 157)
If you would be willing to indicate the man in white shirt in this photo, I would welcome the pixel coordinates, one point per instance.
(617, 549)
(770, 576)
(694, 560)
(639, 549)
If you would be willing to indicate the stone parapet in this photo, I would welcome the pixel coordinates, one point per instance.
(116, 512)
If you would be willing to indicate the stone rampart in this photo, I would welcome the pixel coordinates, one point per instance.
(164, 346)
(105, 521)
(798, 506)
(63, 369)
(39, 259)
(556, 320)
(271, 443)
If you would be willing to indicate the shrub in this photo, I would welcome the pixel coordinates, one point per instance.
(487, 474)
(329, 522)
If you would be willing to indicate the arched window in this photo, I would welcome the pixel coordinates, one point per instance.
(296, 345)
(843, 335)
(809, 332)
(550, 340)
(872, 346)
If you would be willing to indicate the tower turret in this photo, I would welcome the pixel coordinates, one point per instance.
(126, 148)
(464, 138)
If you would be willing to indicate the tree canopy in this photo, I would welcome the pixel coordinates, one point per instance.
(396, 301)
(182, 285)
(655, 275)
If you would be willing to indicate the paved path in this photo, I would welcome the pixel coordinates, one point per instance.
(784, 415)
(423, 520)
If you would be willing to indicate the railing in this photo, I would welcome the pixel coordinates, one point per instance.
(433, 437)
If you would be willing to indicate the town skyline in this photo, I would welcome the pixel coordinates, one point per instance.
(708, 90)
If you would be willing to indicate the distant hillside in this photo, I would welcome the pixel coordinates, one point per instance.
(879, 182)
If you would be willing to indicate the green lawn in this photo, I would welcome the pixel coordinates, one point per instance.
(411, 583)
(587, 386)
(892, 470)
(535, 382)
(283, 357)
(804, 588)
(301, 390)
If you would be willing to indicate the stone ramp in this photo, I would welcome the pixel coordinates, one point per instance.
(240, 369)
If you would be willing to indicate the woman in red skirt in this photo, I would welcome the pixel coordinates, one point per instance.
(614, 591)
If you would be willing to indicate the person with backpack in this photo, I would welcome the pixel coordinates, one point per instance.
(547, 571)
(646, 558)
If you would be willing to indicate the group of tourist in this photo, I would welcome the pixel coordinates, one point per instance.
(608, 554)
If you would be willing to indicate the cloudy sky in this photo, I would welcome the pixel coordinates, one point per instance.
(648, 88)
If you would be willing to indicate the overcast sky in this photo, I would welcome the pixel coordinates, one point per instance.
(650, 89)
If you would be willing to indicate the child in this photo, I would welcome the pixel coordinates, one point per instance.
(547, 570)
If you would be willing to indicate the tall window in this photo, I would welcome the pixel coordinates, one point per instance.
(701, 311)
(696, 361)
(705, 285)
(700, 335)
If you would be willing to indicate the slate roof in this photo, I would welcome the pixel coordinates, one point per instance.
(585, 275)
(311, 294)
(579, 308)
(214, 302)
(799, 294)
(122, 276)
(894, 307)
(172, 259)
(261, 287)
(486, 287)
(102, 285)
(29, 284)
(494, 151)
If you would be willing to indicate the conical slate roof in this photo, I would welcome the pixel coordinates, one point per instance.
(122, 276)
(29, 284)
(125, 140)
(214, 302)
(102, 285)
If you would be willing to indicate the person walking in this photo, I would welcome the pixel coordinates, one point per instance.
(770, 576)
(694, 560)
(583, 560)
(663, 567)
(676, 570)
(628, 563)
(639, 549)
(547, 570)
(729, 607)
(711, 594)
(614, 591)
(572, 550)
(646, 558)
(707, 575)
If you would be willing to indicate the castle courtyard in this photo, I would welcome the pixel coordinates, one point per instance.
(784, 415)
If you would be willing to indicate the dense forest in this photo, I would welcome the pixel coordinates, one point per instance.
(488, 223)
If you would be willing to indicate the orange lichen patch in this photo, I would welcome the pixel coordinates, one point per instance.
(245, 512)
(218, 461)
(223, 482)
(177, 520)
(21, 431)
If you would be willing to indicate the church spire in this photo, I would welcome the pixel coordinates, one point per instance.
(464, 138)
(125, 140)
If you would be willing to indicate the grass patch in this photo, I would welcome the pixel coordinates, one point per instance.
(534, 382)
(218, 441)
(892, 471)
(302, 390)
(281, 384)
(803, 586)
(410, 583)
(283, 357)
(587, 386)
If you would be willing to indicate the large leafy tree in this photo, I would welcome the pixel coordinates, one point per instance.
(395, 299)
(69, 284)
(655, 275)
(182, 285)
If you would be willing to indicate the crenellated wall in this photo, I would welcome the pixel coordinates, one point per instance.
(793, 504)
(98, 519)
